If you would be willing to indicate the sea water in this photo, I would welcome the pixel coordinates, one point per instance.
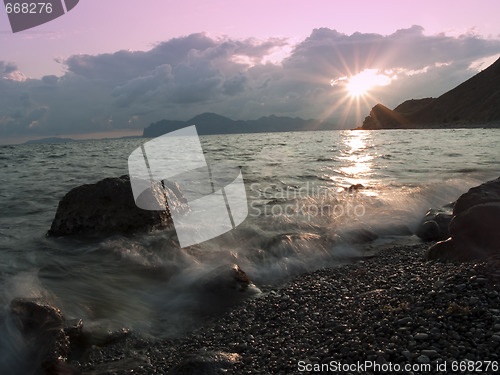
(309, 195)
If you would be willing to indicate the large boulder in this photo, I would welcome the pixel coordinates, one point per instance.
(488, 192)
(478, 229)
(108, 207)
(475, 226)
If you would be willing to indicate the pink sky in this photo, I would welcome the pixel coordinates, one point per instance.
(98, 26)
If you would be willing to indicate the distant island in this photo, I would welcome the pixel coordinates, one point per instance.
(474, 103)
(211, 123)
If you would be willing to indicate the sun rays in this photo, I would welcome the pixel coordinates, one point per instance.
(364, 81)
(357, 92)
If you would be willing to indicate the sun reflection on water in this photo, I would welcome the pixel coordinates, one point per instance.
(356, 157)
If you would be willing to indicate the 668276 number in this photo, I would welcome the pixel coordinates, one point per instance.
(28, 8)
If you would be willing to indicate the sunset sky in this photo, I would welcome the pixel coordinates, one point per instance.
(115, 66)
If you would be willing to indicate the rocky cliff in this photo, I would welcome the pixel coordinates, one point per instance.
(476, 102)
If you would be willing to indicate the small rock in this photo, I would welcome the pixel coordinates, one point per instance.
(423, 359)
(404, 321)
(407, 354)
(473, 300)
(421, 336)
(429, 353)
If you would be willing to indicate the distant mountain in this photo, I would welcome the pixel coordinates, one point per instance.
(49, 140)
(476, 102)
(211, 123)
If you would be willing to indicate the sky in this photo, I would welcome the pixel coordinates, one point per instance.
(112, 67)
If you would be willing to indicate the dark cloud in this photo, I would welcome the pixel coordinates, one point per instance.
(235, 85)
(185, 76)
(50, 80)
(6, 68)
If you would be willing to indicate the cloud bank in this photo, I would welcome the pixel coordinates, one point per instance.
(185, 76)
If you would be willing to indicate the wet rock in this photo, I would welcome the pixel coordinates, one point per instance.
(225, 277)
(488, 192)
(108, 207)
(42, 329)
(474, 226)
(355, 187)
(224, 286)
(428, 230)
(435, 225)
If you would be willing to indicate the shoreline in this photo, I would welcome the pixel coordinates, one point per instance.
(393, 308)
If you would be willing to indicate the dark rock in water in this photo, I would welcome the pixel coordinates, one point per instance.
(429, 231)
(474, 228)
(205, 363)
(42, 329)
(488, 192)
(285, 244)
(355, 187)
(435, 225)
(34, 314)
(224, 286)
(108, 207)
(225, 277)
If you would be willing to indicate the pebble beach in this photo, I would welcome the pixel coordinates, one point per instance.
(376, 315)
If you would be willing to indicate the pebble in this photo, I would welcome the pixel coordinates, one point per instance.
(405, 321)
(429, 353)
(421, 336)
(423, 359)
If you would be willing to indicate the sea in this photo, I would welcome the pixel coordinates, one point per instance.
(312, 198)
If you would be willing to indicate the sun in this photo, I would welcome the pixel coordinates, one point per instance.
(361, 83)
